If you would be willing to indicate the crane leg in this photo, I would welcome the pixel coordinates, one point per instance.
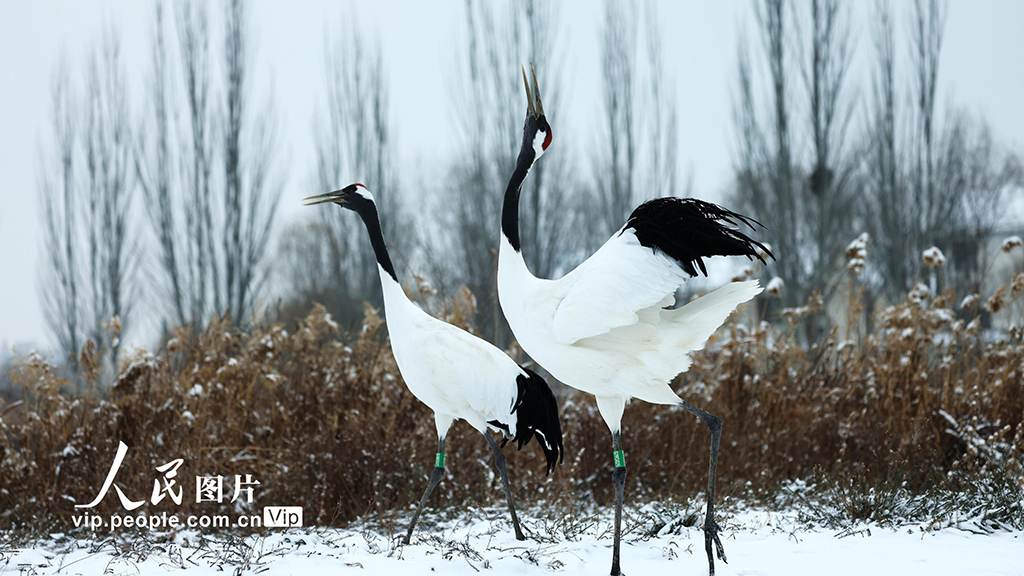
(499, 463)
(435, 477)
(619, 479)
(711, 528)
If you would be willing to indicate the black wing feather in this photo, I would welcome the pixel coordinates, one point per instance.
(537, 415)
(690, 230)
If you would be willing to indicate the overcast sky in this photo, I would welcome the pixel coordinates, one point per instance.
(982, 69)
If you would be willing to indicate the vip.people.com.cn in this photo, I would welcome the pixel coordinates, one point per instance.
(208, 489)
(272, 517)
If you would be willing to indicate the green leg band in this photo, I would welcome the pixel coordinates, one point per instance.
(439, 460)
(620, 458)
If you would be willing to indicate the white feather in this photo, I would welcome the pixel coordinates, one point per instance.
(456, 374)
(610, 288)
(604, 327)
(538, 144)
(362, 191)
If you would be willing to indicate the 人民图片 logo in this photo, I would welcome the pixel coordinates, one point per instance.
(208, 488)
(166, 485)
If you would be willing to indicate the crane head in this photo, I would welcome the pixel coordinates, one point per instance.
(536, 130)
(354, 197)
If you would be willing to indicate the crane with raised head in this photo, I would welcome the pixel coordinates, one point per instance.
(611, 327)
(456, 374)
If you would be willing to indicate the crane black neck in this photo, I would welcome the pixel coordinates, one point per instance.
(367, 210)
(510, 208)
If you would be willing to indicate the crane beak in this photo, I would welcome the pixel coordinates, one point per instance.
(529, 98)
(536, 91)
(533, 103)
(336, 196)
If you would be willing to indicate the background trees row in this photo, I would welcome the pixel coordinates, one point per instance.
(569, 204)
(86, 189)
(823, 156)
(201, 173)
(178, 198)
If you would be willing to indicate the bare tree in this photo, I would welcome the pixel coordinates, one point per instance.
(806, 195)
(636, 152)
(196, 161)
(832, 185)
(663, 123)
(154, 166)
(884, 184)
(617, 165)
(903, 203)
(488, 134)
(354, 143)
(767, 177)
(211, 226)
(58, 281)
(86, 209)
(490, 112)
(926, 45)
(106, 142)
(251, 190)
(927, 183)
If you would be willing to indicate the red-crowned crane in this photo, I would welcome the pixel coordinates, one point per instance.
(609, 327)
(456, 374)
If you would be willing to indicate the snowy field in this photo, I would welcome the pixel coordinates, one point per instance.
(757, 543)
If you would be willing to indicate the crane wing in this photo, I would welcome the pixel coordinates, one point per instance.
(664, 241)
(609, 288)
(689, 230)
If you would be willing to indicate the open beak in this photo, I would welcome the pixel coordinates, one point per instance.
(336, 196)
(533, 102)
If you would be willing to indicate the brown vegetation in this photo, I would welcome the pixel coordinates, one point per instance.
(923, 402)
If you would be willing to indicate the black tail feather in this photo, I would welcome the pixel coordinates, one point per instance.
(689, 230)
(537, 414)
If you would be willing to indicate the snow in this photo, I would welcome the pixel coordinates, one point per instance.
(856, 265)
(858, 248)
(329, 320)
(933, 257)
(756, 542)
(147, 361)
(920, 294)
(774, 286)
(969, 301)
(1011, 242)
(423, 285)
(857, 254)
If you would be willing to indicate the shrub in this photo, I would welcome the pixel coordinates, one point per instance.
(922, 404)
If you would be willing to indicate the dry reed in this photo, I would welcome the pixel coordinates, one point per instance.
(321, 419)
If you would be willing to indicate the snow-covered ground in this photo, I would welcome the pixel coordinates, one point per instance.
(757, 543)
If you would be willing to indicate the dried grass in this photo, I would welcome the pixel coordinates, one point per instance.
(322, 420)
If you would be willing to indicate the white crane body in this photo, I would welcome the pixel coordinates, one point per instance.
(456, 374)
(616, 339)
(610, 327)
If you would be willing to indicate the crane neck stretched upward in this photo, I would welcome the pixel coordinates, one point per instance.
(510, 208)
